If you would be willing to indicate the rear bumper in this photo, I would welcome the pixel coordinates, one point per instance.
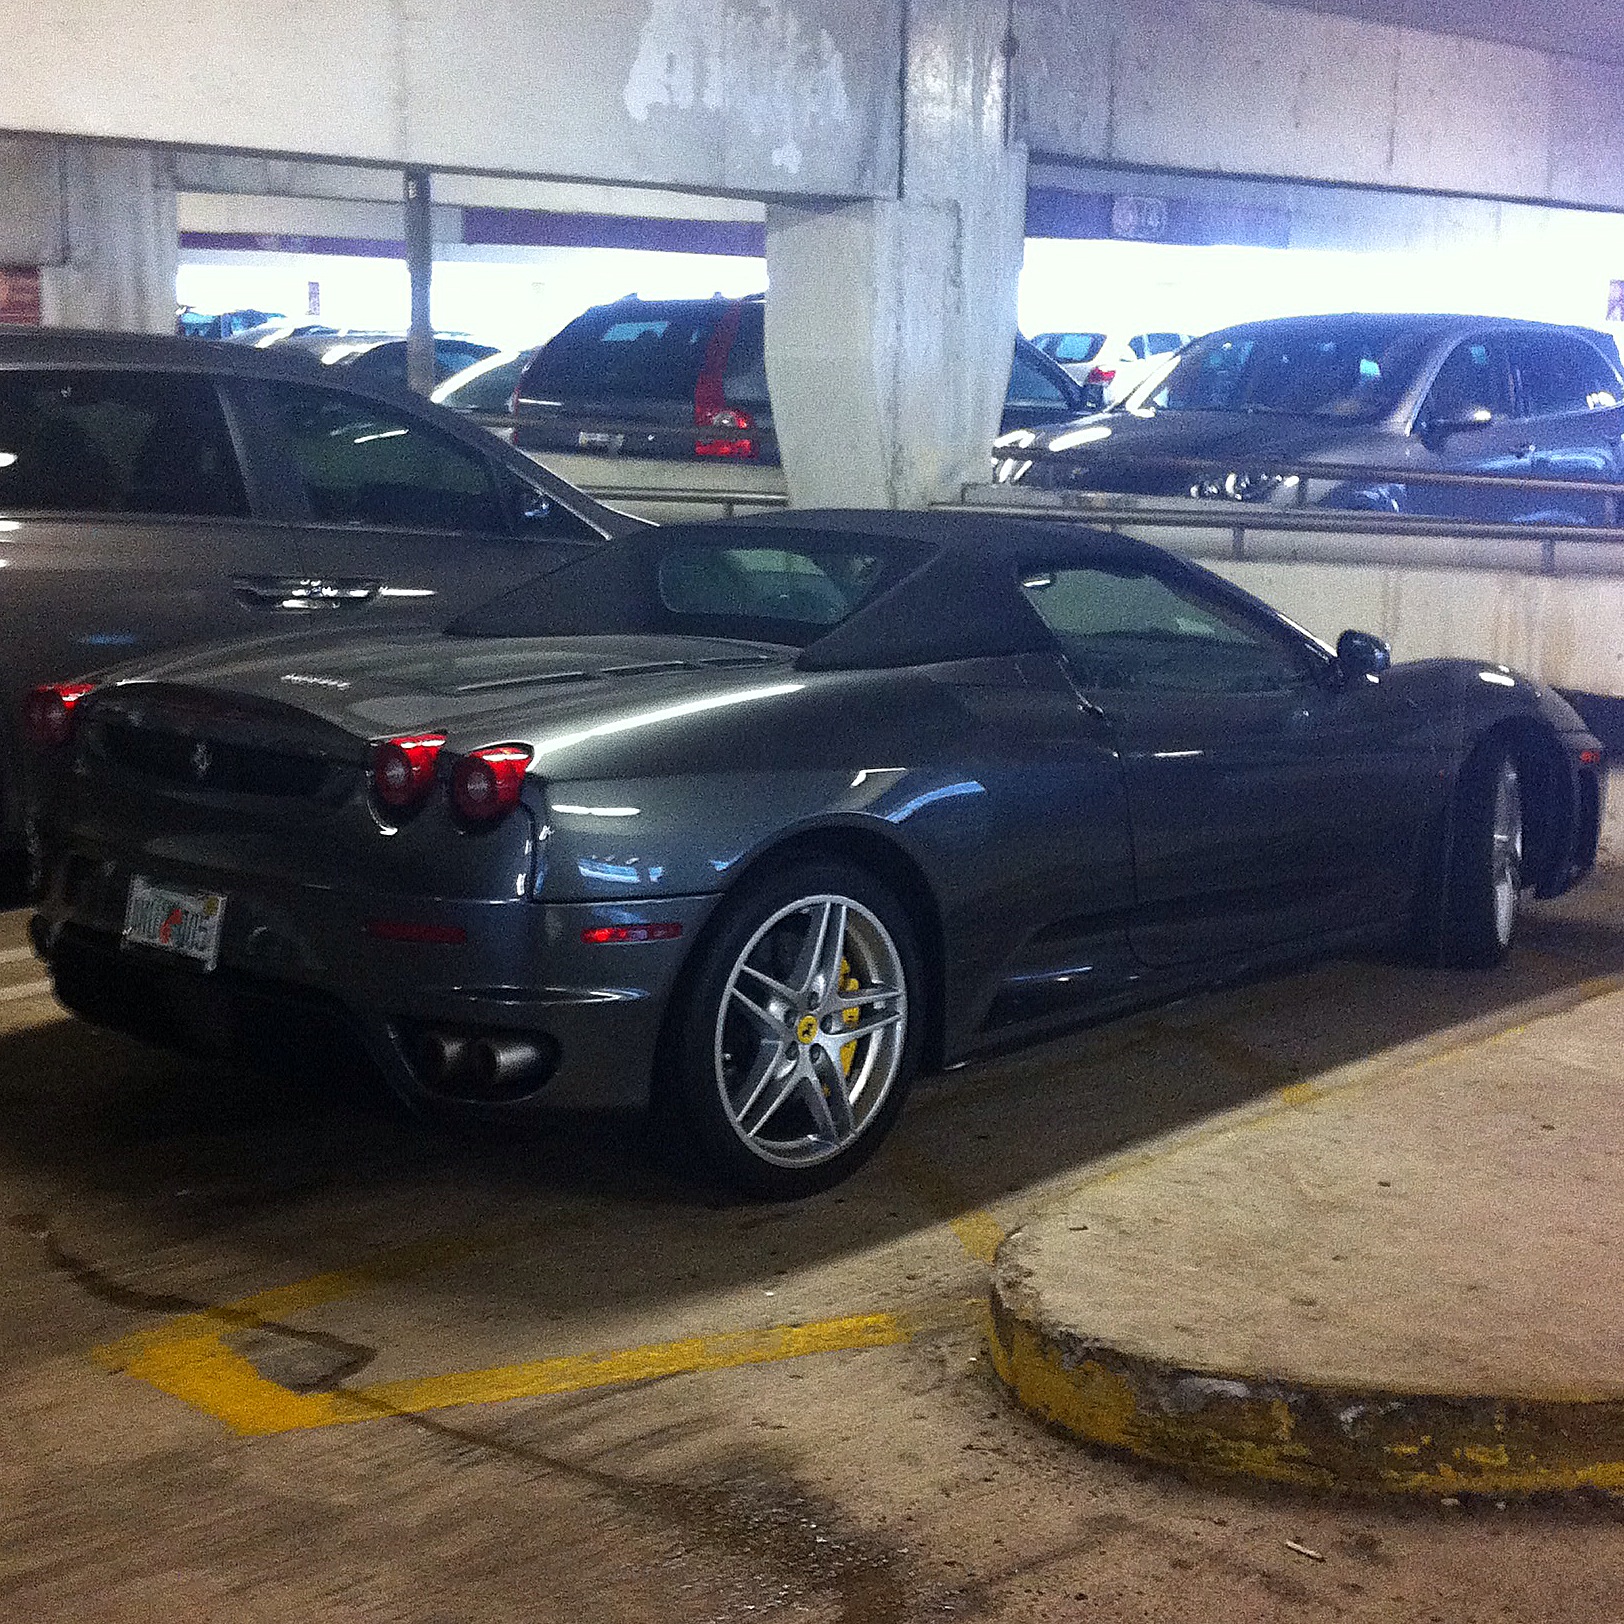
(296, 958)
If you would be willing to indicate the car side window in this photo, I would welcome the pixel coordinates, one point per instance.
(1132, 630)
(1473, 378)
(358, 463)
(116, 442)
(1560, 373)
(536, 513)
(1030, 387)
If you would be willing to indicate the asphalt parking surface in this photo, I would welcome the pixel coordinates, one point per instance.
(268, 1350)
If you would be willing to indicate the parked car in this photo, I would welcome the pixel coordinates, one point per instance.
(687, 378)
(190, 323)
(380, 358)
(1243, 409)
(155, 491)
(278, 330)
(755, 821)
(485, 388)
(1109, 365)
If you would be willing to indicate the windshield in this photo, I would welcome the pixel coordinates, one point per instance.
(767, 585)
(1355, 373)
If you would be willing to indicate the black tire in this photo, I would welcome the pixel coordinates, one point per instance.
(1467, 911)
(716, 1057)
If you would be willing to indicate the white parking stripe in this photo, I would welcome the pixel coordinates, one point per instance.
(15, 955)
(30, 989)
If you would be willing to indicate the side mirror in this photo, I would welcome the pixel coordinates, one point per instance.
(1479, 417)
(1362, 654)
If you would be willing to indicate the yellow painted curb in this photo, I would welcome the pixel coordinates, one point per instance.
(1251, 1426)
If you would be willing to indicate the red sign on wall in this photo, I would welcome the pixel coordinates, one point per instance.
(19, 297)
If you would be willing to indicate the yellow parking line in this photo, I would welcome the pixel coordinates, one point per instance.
(574, 1373)
(189, 1359)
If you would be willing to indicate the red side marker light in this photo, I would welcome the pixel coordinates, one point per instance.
(1100, 375)
(604, 935)
(485, 784)
(410, 930)
(1590, 757)
(403, 769)
(48, 713)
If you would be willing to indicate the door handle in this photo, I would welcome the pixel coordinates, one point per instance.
(301, 592)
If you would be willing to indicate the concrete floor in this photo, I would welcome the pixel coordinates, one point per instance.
(269, 1352)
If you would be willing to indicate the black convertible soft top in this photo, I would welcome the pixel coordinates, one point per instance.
(949, 589)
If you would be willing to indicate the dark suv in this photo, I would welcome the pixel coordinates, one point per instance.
(685, 378)
(155, 491)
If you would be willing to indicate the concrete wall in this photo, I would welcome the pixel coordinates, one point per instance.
(1239, 87)
(772, 97)
(99, 221)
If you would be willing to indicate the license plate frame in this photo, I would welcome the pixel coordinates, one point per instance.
(173, 920)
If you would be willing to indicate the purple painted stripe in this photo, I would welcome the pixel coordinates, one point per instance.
(529, 228)
(263, 242)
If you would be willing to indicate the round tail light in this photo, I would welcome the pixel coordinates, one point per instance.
(485, 784)
(48, 713)
(403, 769)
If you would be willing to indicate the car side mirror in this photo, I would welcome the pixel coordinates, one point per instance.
(1479, 417)
(1362, 654)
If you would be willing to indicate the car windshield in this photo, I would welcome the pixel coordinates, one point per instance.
(1352, 372)
(772, 585)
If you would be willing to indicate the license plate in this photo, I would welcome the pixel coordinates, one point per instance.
(185, 923)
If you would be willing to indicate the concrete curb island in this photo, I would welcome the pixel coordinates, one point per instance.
(1244, 1424)
(1411, 1286)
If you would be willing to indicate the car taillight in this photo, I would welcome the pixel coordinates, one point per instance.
(667, 930)
(730, 417)
(1100, 375)
(48, 713)
(403, 769)
(711, 410)
(485, 784)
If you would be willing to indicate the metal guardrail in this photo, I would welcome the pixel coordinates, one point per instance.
(1304, 473)
(1263, 534)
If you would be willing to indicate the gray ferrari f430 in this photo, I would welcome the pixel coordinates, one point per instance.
(757, 821)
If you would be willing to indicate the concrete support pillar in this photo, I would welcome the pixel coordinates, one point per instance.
(891, 324)
(121, 250)
(420, 268)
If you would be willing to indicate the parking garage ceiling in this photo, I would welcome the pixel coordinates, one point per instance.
(1587, 28)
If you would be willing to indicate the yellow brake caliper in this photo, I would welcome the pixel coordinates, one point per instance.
(848, 983)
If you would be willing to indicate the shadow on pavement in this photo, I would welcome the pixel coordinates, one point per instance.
(307, 1170)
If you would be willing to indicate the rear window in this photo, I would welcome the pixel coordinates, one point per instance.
(653, 352)
(772, 586)
(116, 442)
(1071, 349)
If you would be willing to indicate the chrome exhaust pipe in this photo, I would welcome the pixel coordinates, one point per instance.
(442, 1055)
(491, 1066)
(499, 1065)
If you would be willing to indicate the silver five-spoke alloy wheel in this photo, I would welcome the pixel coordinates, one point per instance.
(1507, 832)
(811, 1030)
